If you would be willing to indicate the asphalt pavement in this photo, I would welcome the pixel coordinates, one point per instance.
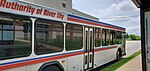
(132, 47)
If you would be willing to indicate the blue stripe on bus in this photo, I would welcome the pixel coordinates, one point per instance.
(93, 21)
(38, 58)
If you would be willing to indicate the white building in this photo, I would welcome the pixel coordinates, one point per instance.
(64, 5)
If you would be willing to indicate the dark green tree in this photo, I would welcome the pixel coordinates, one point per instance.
(127, 36)
(134, 37)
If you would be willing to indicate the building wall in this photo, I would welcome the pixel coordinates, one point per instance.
(76, 12)
(58, 4)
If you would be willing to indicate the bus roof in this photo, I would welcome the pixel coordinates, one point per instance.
(34, 10)
(93, 22)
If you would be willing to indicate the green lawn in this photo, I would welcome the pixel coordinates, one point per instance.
(120, 63)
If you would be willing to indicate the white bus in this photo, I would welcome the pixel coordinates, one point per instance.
(38, 38)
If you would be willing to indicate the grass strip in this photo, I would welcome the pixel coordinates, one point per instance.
(120, 63)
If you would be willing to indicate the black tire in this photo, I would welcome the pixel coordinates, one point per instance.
(51, 68)
(118, 55)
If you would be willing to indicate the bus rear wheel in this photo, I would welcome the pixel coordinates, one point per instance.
(118, 55)
(51, 68)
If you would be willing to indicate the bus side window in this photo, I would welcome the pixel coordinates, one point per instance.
(1, 34)
(14, 42)
(74, 37)
(112, 37)
(98, 38)
(48, 37)
(118, 37)
(105, 37)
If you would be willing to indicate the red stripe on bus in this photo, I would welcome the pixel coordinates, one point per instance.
(107, 48)
(83, 21)
(91, 23)
(38, 61)
(10, 66)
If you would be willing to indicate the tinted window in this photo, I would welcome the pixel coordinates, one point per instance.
(0, 26)
(74, 37)
(112, 37)
(105, 37)
(0, 34)
(48, 37)
(98, 36)
(118, 38)
(15, 36)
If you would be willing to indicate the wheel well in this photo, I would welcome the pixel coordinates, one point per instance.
(54, 63)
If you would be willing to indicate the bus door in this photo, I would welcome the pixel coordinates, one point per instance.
(89, 49)
(124, 43)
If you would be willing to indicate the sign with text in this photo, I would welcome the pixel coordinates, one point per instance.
(23, 8)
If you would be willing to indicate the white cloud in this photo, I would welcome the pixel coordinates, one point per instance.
(124, 14)
(113, 9)
(123, 8)
(134, 30)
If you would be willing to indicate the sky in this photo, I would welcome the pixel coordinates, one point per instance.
(117, 12)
